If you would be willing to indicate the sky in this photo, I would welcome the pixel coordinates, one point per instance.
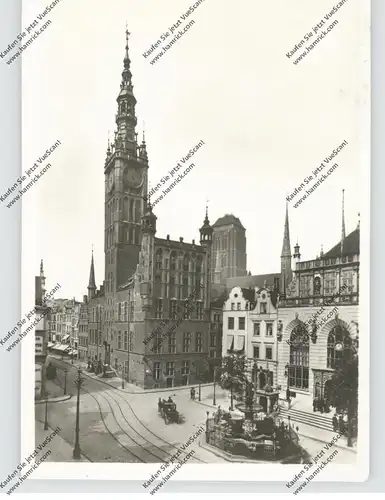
(266, 124)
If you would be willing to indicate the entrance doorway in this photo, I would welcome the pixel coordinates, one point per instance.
(169, 381)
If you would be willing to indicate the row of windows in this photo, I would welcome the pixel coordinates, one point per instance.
(268, 331)
(327, 262)
(132, 210)
(123, 342)
(231, 323)
(186, 264)
(170, 369)
(83, 341)
(178, 309)
(257, 352)
(160, 343)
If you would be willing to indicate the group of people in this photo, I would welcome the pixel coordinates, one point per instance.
(170, 403)
(340, 422)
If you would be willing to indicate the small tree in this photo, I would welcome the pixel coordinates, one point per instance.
(233, 374)
(343, 393)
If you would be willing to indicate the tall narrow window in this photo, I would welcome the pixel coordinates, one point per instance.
(299, 358)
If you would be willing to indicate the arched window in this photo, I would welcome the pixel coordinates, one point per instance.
(339, 347)
(299, 358)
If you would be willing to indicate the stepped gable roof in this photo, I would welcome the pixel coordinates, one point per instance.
(351, 246)
(227, 220)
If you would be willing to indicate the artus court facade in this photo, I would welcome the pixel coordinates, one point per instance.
(294, 339)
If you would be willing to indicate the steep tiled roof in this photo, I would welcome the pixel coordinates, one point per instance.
(249, 281)
(351, 246)
(227, 220)
(248, 294)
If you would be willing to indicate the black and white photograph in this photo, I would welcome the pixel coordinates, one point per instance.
(195, 268)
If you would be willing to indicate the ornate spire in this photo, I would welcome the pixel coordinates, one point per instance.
(343, 222)
(125, 139)
(206, 231)
(41, 268)
(126, 75)
(143, 149)
(286, 263)
(91, 282)
(286, 249)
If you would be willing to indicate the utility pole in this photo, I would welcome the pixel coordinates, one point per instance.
(78, 384)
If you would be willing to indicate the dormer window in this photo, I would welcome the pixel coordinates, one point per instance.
(263, 307)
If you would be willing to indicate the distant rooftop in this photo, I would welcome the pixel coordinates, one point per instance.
(259, 280)
(227, 220)
(351, 246)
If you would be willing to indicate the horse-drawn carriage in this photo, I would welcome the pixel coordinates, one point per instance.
(168, 411)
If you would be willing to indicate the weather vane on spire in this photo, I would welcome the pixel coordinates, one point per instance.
(127, 32)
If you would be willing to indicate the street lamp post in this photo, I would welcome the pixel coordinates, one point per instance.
(78, 384)
(65, 381)
(215, 376)
(46, 413)
(122, 368)
(288, 382)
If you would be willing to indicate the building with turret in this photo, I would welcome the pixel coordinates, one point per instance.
(150, 320)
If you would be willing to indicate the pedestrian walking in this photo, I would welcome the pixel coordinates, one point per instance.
(341, 424)
(192, 393)
(335, 422)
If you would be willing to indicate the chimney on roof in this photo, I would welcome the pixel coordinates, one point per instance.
(168, 237)
(181, 239)
(193, 242)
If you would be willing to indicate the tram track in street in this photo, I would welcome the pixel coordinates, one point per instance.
(166, 454)
(151, 432)
(130, 452)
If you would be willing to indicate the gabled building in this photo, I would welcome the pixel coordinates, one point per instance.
(320, 316)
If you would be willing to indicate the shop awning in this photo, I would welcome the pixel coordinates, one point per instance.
(63, 347)
(56, 346)
(230, 342)
(240, 343)
(50, 344)
(65, 337)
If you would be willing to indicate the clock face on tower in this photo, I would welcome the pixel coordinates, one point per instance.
(133, 177)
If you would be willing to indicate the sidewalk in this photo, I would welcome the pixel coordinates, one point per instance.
(55, 393)
(116, 382)
(61, 451)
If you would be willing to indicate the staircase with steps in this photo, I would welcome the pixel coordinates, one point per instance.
(319, 420)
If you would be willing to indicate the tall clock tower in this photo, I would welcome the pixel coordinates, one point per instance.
(126, 175)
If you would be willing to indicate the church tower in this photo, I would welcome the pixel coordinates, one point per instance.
(286, 271)
(206, 241)
(91, 281)
(125, 171)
